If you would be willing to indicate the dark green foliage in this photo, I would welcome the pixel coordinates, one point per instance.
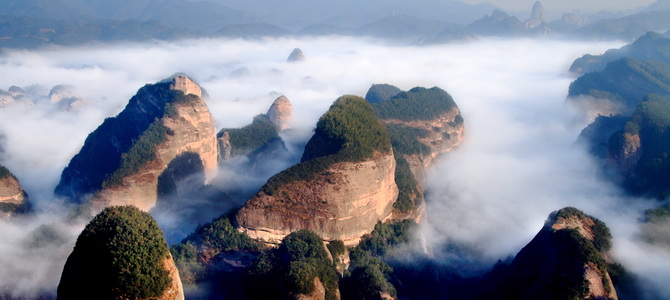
(366, 282)
(408, 189)
(120, 254)
(381, 92)
(101, 155)
(625, 81)
(369, 275)
(251, 137)
(222, 236)
(142, 152)
(658, 214)
(416, 104)
(192, 255)
(649, 47)
(291, 268)
(386, 236)
(405, 139)
(336, 247)
(651, 122)
(187, 260)
(4, 172)
(349, 131)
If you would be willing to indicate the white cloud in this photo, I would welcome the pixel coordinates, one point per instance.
(516, 165)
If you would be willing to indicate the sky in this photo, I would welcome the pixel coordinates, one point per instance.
(517, 163)
(564, 6)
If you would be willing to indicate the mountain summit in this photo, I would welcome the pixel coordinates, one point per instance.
(123, 160)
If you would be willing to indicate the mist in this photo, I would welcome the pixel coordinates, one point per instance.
(518, 161)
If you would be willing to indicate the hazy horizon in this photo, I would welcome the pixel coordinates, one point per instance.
(565, 6)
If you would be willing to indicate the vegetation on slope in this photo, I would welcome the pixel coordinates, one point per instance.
(251, 137)
(416, 104)
(291, 268)
(193, 255)
(103, 152)
(649, 47)
(552, 265)
(349, 131)
(120, 254)
(381, 92)
(369, 275)
(624, 81)
(141, 152)
(4, 172)
(651, 121)
(405, 139)
(408, 187)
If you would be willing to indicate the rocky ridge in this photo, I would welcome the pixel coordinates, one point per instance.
(168, 120)
(568, 258)
(281, 113)
(13, 199)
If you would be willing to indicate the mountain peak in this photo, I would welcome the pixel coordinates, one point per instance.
(185, 84)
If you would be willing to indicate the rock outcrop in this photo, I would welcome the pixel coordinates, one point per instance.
(567, 259)
(537, 16)
(281, 113)
(296, 56)
(121, 254)
(423, 123)
(121, 161)
(13, 199)
(341, 189)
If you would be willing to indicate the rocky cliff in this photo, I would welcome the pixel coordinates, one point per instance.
(261, 133)
(423, 123)
(13, 199)
(341, 189)
(121, 161)
(121, 254)
(568, 259)
(281, 113)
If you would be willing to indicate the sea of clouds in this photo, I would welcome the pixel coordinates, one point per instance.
(517, 163)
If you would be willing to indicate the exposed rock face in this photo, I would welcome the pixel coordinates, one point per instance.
(281, 113)
(625, 151)
(296, 56)
(225, 148)
(444, 134)
(341, 189)
(13, 199)
(164, 118)
(342, 203)
(319, 292)
(567, 259)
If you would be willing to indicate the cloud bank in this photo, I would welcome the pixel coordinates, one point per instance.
(517, 163)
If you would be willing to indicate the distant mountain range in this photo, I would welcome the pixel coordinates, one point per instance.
(34, 23)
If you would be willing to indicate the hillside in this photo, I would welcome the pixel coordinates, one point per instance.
(120, 254)
(342, 187)
(649, 47)
(161, 125)
(620, 87)
(640, 150)
(422, 123)
(568, 259)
